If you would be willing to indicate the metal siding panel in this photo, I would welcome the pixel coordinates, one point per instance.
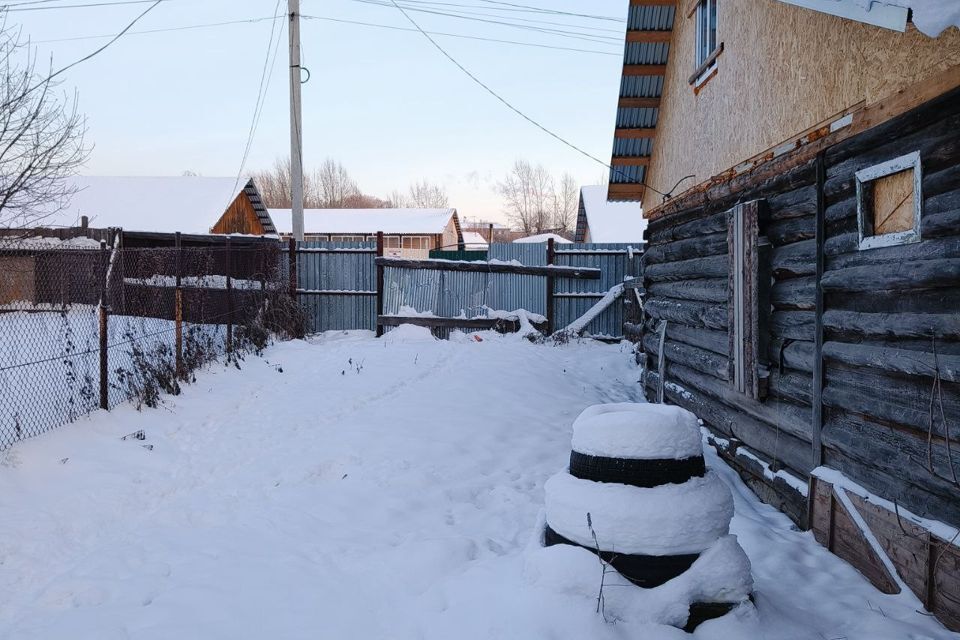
(335, 271)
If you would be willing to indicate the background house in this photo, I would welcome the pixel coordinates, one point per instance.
(408, 233)
(542, 237)
(802, 223)
(162, 204)
(601, 221)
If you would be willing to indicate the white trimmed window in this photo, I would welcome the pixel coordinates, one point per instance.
(417, 242)
(889, 202)
(706, 30)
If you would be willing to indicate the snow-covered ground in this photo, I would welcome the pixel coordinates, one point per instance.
(359, 488)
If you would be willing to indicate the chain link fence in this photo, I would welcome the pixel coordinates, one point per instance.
(87, 327)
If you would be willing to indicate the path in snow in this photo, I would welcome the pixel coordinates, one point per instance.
(372, 489)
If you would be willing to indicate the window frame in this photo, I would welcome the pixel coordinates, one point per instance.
(906, 162)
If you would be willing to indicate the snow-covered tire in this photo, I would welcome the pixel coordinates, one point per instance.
(635, 472)
(637, 431)
(700, 612)
(643, 571)
(670, 519)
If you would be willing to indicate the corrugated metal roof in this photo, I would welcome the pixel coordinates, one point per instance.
(637, 117)
(651, 17)
(636, 147)
(646, 53)
(641, 86)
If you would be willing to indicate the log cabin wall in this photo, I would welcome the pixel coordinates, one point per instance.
(862, 374)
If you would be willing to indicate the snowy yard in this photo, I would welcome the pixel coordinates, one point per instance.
(350, 487)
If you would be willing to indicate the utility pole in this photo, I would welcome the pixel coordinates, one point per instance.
(296, 129)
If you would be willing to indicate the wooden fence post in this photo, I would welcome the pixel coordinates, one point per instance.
(379, 283)
(178, 305)
(229, 270)
(550, 284)
(104, 369)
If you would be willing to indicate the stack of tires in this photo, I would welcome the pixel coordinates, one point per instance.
(638, 494)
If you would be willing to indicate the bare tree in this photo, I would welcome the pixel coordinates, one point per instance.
(335, 185)
(528, 197)
(398, 200)
(41, 138)
(566, 202)
(427, 195)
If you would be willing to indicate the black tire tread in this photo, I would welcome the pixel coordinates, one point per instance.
(639, 473)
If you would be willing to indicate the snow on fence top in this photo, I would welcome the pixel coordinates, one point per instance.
(189, 204)
(611, 221)
(366, 221)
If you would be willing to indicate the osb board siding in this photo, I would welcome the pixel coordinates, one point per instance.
(782, 70)
(449, 239)
(890, 320)
(929, 566)
(239, 217)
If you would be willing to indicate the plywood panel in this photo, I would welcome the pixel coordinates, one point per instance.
(783, 69)
(893, 203)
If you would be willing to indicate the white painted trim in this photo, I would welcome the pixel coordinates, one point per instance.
(705, 75)
(879, 14)
(840, 123)
(895, 165)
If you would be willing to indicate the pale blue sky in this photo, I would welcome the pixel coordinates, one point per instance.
(385, 103)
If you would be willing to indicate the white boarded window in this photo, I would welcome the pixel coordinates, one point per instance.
(706, 30)
(889, 202)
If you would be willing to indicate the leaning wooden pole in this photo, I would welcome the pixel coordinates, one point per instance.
(379, 282)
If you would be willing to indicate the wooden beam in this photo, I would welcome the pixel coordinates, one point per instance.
(631, 161)
(638, 103)
(577, 273)
(649, 36)
(503, 325)
(634, 133)
(625, 191)
(644, 69)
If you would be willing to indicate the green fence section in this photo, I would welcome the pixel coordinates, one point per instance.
(439, 254)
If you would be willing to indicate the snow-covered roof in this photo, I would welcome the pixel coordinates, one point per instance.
(474, 241)
(543, 237)
(611, 221)
(930, 17)
(427, 221)
(189, 204)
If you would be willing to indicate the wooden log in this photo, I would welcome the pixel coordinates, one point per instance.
(632, 331)
(842, 252)
(693, 314)
(796, 294)
(716, 341)
(947, 201)
(577, 273)
(940, 225)
(701, 290)
(777, 414)
(902, 361)
(792, 230)
(712, 267)
(896, 457)
(797, 259)
(894, 301)
(701, 360)
(781, 448)
(716, 223)
(852, 324)
(942, 182)
(796, 325)
(686, 249)
(791, 385)
(898, 402)
(793, 204)
(792, 354)
(916, 274)
(840, 210)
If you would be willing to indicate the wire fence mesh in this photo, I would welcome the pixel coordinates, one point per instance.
(86, 327)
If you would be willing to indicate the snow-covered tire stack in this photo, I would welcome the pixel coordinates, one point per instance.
(638, 493)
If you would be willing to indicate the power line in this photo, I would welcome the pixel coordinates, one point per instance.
(576, 35)
(14, 8)
(553, 11)
(261, 91)
(162, 30)
(508, 104)
(90, 55)
(463, 36)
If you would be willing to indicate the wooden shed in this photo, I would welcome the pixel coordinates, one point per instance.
(802, 274)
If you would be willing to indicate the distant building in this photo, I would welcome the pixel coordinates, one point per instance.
(602, 221)
(162, 204)
(543, 237)
(408, 233)
(473, 241)
(492, 231)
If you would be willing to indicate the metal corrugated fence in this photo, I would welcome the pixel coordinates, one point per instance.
(573, 298)
(337, 285)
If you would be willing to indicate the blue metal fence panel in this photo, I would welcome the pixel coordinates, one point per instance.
(573, 298)
(337, 284)
(509, 292)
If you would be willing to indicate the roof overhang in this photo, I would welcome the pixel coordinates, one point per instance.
(645, 54)
(879, 14)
